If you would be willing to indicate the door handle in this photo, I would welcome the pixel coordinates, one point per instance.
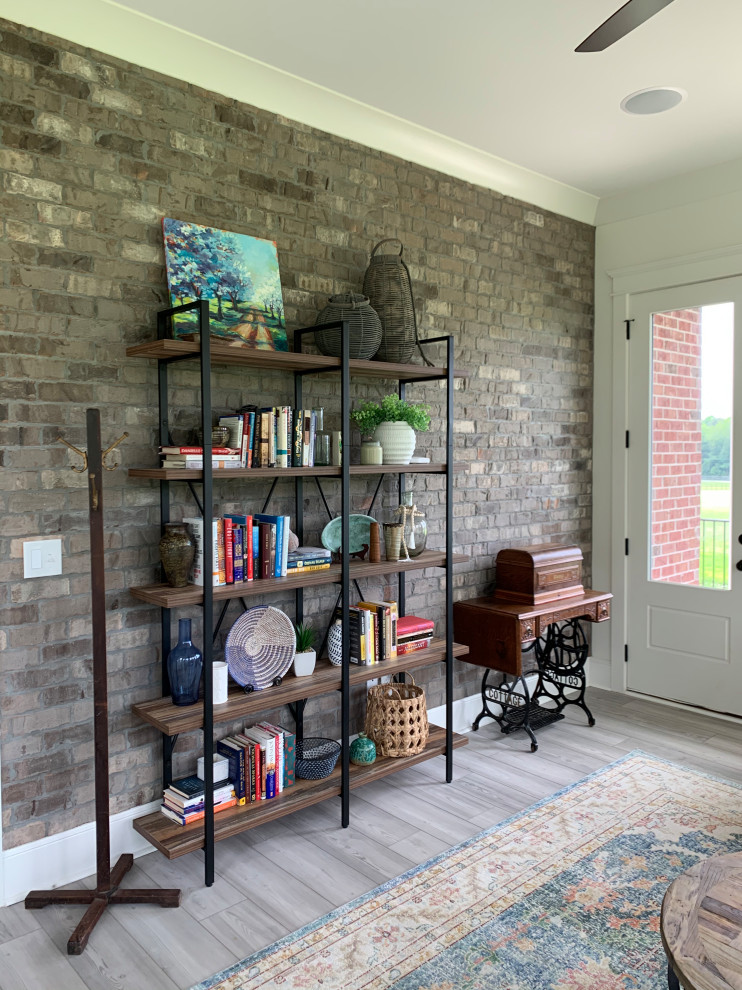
(738, 565)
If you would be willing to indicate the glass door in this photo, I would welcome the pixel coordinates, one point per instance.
(683, 584)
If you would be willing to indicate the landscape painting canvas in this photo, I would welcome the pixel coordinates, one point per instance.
(239, 276)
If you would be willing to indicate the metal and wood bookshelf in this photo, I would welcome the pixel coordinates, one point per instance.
(175, 840)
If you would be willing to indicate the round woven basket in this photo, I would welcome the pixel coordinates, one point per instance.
(397, 718)
(364, 326)
(389, 289)
(316, 758)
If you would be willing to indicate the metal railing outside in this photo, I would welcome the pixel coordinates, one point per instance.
(713, 570)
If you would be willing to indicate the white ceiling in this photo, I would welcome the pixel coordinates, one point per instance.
(503, 77)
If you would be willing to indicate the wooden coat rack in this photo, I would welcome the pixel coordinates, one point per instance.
(107, 890)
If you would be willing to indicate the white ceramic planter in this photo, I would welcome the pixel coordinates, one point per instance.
(304, 663)
(397, 442)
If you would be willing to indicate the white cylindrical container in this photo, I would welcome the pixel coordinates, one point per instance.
(219, 682)
(371, 452)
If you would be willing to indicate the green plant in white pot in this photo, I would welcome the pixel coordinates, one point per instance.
(393, 423)
(306, 656)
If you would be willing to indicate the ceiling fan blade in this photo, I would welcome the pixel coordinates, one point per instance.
(626, 18)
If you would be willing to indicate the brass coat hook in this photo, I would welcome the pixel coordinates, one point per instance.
(80, 470)
(106, 452)
(110, 449)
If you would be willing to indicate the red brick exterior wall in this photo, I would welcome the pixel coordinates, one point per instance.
(676, 446)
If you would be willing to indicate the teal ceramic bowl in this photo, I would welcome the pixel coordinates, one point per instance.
(360, 533)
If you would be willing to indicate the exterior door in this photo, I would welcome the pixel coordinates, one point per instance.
(684, 589)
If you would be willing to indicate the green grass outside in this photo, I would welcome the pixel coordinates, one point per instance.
(713, 570)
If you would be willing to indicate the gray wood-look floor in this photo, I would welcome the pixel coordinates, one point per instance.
(274, 879)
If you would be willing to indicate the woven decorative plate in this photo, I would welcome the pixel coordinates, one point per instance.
(260, 647)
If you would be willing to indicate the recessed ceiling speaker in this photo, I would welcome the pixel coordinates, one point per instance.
(657, 99)
(626, 18)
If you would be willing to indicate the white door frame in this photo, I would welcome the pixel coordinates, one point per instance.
(610, 476)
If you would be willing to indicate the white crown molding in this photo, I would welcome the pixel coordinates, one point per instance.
(143, 40)
(677, 191)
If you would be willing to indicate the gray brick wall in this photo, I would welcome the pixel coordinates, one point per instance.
(93, 153)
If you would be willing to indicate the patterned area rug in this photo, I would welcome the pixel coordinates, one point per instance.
(564, 896)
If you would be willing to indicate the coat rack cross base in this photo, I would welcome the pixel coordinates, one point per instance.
(99, 900)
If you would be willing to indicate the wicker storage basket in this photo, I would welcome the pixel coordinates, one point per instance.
(397, 718)
(364, 326)
(389, 289)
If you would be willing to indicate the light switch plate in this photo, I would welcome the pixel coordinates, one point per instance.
(42, 558)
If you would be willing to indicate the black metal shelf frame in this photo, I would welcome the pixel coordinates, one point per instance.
(205, 504)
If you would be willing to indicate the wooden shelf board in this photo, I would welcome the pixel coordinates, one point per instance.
(283, 360)
(172, 719)
(176, 840)
(189, 474)
(164, 596)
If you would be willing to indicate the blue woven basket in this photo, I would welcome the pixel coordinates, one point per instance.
(316, 758)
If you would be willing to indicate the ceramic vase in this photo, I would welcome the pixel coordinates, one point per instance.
(392, 540)
(397, 442)
(177, 548)
(184, 667)
(304, 663)
(363, 750)
(335, 644)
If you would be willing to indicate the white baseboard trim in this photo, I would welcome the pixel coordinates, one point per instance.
(598, 674)
(59, 859)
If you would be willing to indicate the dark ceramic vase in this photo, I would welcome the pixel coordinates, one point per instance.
(177, 548)
(363, 750)
(184, 667)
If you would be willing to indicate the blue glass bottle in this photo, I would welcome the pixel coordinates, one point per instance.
(184, 667)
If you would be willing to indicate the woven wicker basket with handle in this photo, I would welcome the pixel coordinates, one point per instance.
(397, 718)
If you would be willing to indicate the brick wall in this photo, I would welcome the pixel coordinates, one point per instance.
(94, 152)
(676, 445)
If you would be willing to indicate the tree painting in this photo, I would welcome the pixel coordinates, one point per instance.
(239, 276)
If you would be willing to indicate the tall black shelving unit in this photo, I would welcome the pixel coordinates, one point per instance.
(174, 840)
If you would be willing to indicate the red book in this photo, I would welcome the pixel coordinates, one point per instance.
(228, 550)
(412, 646)
(197, 451)
(410, 625)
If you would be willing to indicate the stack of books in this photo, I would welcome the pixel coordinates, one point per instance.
(308, 559)
(413, 633)
(261, 761)
(183, 800)
(193, 458)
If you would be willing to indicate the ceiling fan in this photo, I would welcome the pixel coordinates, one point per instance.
(626, 18)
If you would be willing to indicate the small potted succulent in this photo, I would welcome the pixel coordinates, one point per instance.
(393, 423)
(305, 656)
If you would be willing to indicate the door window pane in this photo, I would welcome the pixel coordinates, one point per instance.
(691, 443)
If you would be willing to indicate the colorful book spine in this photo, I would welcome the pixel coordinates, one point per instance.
(196, 451)
(289, 757)
(239, 552)
(413, 646)
(249, 562)
(235, 755)
(393, 622)
(282, 444)
(228, 551)
(198, 815)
